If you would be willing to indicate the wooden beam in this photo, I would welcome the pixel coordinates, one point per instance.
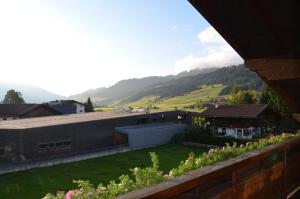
(214, 20)
(275, 69)
(297, 116)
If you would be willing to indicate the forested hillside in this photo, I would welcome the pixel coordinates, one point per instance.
(131, 90)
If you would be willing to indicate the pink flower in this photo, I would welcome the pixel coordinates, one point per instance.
(283, 134)
(69, 195)
(272, 138)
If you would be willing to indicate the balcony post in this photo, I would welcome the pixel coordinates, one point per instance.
(284, 190)
(234, 185)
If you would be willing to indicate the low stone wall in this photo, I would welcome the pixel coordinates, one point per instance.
(37, 163)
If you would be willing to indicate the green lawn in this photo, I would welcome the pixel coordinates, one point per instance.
(36, 183)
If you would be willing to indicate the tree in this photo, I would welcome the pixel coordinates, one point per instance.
(89, 105)
(241, 97)
(269, 97)
(199, 105)
(13, 97)
(234, 89)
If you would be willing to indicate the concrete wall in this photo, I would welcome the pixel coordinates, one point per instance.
(143, 136)
(30, 164)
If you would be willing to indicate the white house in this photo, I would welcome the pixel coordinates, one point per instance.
(67, 106)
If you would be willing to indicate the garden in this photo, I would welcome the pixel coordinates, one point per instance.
(141, 177)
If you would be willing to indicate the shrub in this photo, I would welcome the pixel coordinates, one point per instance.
(203, 136)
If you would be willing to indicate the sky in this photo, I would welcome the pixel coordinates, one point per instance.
(69, 46)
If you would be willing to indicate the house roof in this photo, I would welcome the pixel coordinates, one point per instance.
(64, 106)
(235, 111)
(64, 119)
(17, 110)
(37, 106)
(65, 102)
(13, 110)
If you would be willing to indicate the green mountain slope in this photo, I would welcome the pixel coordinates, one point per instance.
(132, 90)
(203, 94)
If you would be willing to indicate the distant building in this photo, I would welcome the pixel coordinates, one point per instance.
(44, 137)
(18, 111)
(240, 121)
(67, 106)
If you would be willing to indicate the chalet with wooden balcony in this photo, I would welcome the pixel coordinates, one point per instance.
(244, 121)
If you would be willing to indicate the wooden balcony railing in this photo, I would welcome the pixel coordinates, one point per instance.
(273, 172)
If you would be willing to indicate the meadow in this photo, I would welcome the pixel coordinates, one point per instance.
(203, 94)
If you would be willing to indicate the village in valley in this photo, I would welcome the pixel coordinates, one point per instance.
(226, 131)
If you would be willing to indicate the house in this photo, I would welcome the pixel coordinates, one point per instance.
(240, 121)
(67, 106)
(17, 111)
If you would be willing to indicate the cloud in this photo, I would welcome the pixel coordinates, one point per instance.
(174, 27)
(184, 26)
(217, 53)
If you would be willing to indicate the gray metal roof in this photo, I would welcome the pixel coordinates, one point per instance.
(63, 119)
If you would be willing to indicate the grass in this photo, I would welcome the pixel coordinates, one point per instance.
(104, 109)
(143, 102)
(204, 94)
(36, 183)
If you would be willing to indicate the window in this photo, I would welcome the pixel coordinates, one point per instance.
(239, 132)
(162, 118)
(51, 144)
(59, 144)
(223, 131)
(54, 145)
(46, 145)
(246, 132)
(63, 144)
(67, 143)
(181, 117)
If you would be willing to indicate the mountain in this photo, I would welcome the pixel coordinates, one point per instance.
(31, 94)
(131, 90)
